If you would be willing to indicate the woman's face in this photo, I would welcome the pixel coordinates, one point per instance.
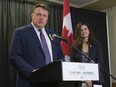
(84, 31)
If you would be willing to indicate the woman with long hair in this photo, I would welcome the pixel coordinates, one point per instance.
(86, 42)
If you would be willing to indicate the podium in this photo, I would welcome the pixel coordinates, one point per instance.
(64, 74)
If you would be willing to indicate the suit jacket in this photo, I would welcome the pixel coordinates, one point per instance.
(95, 53)
(26, 53)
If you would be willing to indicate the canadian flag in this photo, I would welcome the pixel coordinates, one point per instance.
(67, 31)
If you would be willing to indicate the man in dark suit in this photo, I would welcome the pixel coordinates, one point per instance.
(27, 53)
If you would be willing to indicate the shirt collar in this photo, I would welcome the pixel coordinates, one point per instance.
(35, 28)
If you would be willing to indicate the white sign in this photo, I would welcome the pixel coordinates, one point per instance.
(73, 71)
(97, 85)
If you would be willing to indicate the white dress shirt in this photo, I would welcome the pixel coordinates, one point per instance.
(47, 39)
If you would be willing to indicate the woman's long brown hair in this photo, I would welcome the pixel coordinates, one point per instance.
(77, 36)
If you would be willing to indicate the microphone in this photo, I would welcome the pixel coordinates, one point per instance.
(59, 37)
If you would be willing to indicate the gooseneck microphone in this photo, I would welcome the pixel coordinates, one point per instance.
(59, 37)
(71, 45)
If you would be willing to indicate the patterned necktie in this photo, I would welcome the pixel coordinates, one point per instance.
(45, 47)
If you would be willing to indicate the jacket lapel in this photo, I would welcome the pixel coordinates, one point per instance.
(52, 42)
(91, 51)
(34, 35)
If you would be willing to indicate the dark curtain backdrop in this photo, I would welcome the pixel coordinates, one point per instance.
(16, 13)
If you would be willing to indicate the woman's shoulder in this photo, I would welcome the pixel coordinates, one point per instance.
(97, 43)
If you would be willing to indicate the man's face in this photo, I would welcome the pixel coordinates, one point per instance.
(39, 17)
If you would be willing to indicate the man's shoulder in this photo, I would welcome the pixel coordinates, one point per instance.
(49, 31)
(23, 28)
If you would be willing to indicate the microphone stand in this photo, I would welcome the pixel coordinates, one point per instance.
(65, 40)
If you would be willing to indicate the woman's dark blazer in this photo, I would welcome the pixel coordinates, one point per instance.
(26, 53)
(95, 53)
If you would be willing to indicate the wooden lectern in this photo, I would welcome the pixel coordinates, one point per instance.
(62, 74)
